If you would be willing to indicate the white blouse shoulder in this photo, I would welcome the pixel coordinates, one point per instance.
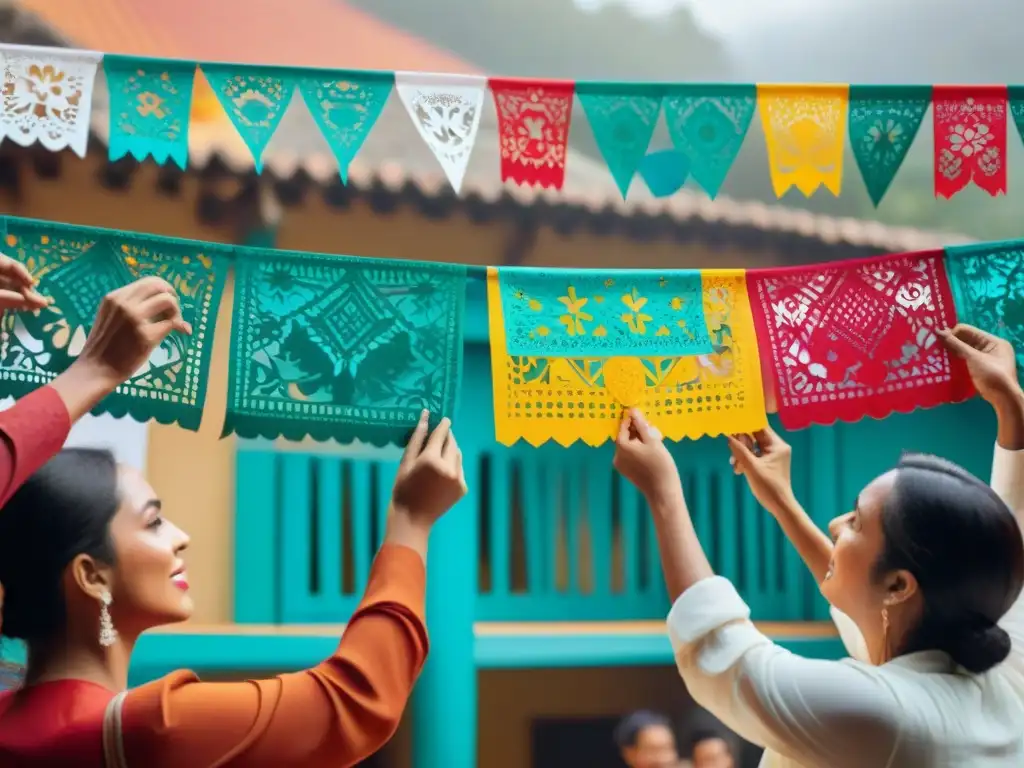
(918, 710)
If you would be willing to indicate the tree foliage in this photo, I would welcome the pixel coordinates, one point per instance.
(558, 39)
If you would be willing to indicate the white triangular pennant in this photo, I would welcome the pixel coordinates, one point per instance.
(446, 111)
(47, 96)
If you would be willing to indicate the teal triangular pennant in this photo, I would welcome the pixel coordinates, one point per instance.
(345, 106)
(255, 98)
(622, 117)
(708, 124)
(150, 103)
(884, 119)
(664, 172)
(1015, 95)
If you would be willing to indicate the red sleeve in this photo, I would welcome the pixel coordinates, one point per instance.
(33, 430)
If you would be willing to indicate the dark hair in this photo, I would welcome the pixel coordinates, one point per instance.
(964, 546)
(628, 731)
(60, 512)
(698, 737)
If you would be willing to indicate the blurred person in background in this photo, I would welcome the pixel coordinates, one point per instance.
(645, 740)
(708, 748)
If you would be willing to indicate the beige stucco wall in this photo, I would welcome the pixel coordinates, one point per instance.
(194, 472)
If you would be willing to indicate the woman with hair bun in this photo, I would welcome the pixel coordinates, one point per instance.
(928, 566)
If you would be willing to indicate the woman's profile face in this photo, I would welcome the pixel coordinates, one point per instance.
(150, 584)
(859, 540)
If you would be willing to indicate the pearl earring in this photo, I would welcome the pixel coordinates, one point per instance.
(108, 635)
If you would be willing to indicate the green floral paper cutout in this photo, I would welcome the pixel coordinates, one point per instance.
(987, 280)
(708, 124)
(77, 267)
(150, 105)
(603, 313)
(342, 348)
(345, 106)
(622, 117)
(883, 122)
(255, 98)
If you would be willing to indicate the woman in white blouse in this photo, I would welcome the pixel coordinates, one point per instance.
(929, 567)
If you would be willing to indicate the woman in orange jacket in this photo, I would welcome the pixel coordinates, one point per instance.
(88, 562)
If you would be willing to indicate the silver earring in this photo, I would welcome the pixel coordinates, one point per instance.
(108, 635)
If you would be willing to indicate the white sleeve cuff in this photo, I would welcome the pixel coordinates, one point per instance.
(1008, 478)
(712, 614)
(703, 608)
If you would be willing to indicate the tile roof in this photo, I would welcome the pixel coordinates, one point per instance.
(394, 155)
(320, 33)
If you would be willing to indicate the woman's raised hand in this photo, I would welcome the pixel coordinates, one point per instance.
(18, 288)
(642, 458)
(131, 322)
(430, 480)
(764, 459)
(993, 367)
(990, 361)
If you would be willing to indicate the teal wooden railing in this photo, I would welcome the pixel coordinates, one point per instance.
(562, 537)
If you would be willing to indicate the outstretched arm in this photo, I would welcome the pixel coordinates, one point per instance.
(130, 323)
(992, 364)
(641, 457)
(345, 708)
(335, 714)
(761, 691)
(32, 431)
(1008, 482)
(764, 459)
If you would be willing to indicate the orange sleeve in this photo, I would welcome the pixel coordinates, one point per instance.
(335, 714)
